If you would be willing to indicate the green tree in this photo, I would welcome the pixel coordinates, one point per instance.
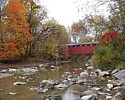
(96, 25)
(110, 53)
(48, 46)
(87, 39)
(117, 17)
(37, 15)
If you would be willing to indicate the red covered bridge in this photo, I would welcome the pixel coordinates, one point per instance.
(81, 48)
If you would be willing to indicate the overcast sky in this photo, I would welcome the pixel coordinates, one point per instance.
(66, 11)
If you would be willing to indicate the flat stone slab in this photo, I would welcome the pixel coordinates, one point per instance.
(120, 75)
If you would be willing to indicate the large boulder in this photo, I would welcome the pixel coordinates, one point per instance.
(120, 75)
(88, 95)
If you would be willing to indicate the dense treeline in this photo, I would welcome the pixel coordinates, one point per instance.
(25, 31)
(110, 52)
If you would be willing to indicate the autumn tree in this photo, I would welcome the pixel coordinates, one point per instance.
(16, 37)
(49, 41)
(37, 15)
(78, 30)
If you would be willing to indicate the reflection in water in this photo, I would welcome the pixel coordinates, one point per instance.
(69, 95)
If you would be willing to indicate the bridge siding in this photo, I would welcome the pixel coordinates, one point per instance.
(82, 49)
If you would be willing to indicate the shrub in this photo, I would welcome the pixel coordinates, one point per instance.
(111, 52)
(104, 58)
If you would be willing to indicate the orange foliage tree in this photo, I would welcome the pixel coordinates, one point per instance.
(78, 31)
(15, 36)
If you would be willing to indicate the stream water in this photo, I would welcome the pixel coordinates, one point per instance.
(22, 91)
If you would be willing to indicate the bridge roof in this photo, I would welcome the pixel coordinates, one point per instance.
(81, 44)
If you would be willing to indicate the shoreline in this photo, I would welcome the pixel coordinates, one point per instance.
(26, 64)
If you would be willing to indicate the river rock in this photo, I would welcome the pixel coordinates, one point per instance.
(27, 71)
(110, 86)
(103, 93)
(93, 74)
(53, 67)
(119, 96)
(41, 90)
(108, 97)
(44, 65)
(89, 97)
(70, 76)
(84, 73)
(44, 81)
(86, 64)
(32, 88)
(61, 86)
(19, 83)
(81, 81)
(55, 82)
(52, 97)
(116, 83)
(96, 88)
(51, 81)
(3, 71)
(120, 75)
(90, 67)
(98, 71)
(70, 81)
(12, 93)
(41, 65)
(65, 74)
(65, 81)
(1, 89)
(102, 73)
(11, 70)
(115, 71)
(88, 92)
(5, 75)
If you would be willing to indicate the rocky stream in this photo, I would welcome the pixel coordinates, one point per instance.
(61, 82)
